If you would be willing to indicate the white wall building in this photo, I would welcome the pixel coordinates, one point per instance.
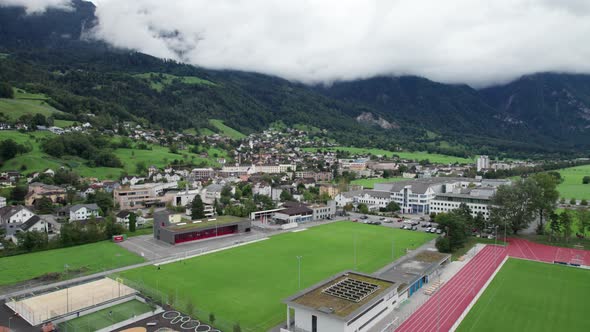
(483, 162)
(478, 200)
(348, 302)
(84, 211)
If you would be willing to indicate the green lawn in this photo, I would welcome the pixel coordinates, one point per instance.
(572, 186)
(158, 81)
(533, 296)
(248, 283)
(225, 130)
(369, 183)
(63, 123)
(92, 258)
(106, 317)
(26, 103)
(433, 157)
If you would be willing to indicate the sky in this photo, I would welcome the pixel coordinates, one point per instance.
(476, 42)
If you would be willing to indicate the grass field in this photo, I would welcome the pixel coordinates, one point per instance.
(532, 296)
(158, 81)
(248, 283)
(225, 130)
(433, 157)
(93, 257)
(105, 317)
(572, 186)
(369, 183)
(26, 103)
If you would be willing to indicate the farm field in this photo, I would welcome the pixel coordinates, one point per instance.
(26, 103)
(106, 317)
(572, 186)
(260, 275)
(369, 183)
(433, 157)
(532, 296)
(91, 258)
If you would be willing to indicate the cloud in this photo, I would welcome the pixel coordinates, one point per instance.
(478, 42)
(38, 6)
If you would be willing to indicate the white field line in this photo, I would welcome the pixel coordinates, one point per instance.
(209, 252)
(299, 230)
(485, 286)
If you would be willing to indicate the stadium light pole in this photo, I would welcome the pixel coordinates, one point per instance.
(299, 269)
(354, 245)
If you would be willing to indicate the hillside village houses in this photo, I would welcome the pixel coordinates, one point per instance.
(80, 212)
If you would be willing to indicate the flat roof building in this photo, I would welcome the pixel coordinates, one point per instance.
(178, 228)
(349, 301)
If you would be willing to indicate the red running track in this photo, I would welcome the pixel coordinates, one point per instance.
(448, 303)
(521, 248)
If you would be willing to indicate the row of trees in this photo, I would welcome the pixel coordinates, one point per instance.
(71, 234)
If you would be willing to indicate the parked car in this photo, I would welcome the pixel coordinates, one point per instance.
(433, 230)
(389, 221)
(375, 223)
(439, 231)
(364, 217)
(415, 223)
(382, 218)
(427, 230)
(355, 220)
(400, 220)
(414, 228)
(406, 227)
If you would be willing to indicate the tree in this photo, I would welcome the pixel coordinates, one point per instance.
(140, 168)
(584, 219)
(584, 202)
(554, 225)
(190, 308)
(455, 225)
(132, 222)
(33, 240)
(19, 192)
(566, 220)
(237, 328)
(479, 222)
(513, 206)
(212, 318)
(573, 201)
(6, 91)
(363, 208)
(562, 200)
(103, 199)
(392, 207)
(286, 196)
(44, 205)
(197, 208)
(544, 201)
(586, 179)
(9, 149)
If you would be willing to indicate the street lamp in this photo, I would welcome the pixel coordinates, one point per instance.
(299, 268)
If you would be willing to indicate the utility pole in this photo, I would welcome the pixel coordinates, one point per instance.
(299, 269)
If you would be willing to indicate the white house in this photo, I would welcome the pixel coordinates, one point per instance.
(14, 214)
(479, 200)
(131, 180)
(83, 211)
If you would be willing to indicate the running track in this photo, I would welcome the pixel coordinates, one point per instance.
(447, 304)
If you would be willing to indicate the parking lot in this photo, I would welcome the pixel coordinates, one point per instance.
(409, 222)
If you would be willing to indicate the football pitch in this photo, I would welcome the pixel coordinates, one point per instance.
(105, 317)
(532, 296)
(246, 284)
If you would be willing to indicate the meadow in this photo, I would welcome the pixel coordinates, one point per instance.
(532, 296)
(91, 258)
(225, 130)
(572, 186)
(432, 157)
(159, 81)
(36, 160)
(247, 284)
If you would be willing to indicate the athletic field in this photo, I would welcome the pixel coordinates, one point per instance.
(247, 284)
(105, 317)
(533, 296)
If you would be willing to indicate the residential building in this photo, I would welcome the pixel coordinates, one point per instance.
(39, 190)
(483, 162)
(83, 211)
(203, 173)
(123, 218)
(13, 217)
(329, 189)
(296, 214)
(132, 180)
(323, 211)
(142, 195)
(2, 202)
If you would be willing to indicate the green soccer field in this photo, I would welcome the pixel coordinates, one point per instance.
(533, 296)
(247, 284)
(87, 259)
(105, 317)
